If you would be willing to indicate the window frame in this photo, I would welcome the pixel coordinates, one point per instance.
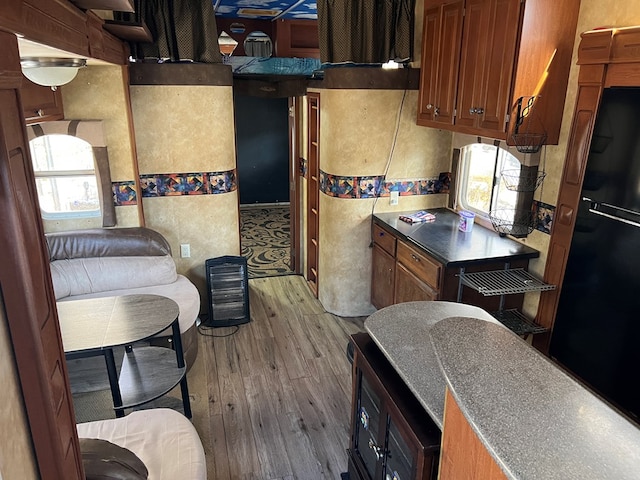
(92, 132)
(522, 199)
(63, 174)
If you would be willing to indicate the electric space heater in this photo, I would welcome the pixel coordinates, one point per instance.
(228, 287)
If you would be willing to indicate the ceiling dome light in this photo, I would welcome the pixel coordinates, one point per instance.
(51, 72)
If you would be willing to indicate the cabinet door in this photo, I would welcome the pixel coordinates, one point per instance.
(429, 65)
(369, 429)
(410, 288)
(499, 64)
(442, 34)
(401, 454)
(472, 61)
(383, 278)
(487, 63)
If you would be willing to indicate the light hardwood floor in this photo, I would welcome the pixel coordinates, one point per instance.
(272, 401)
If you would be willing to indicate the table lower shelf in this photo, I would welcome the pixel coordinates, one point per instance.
(148, 373)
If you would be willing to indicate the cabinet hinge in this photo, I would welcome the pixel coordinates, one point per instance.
(507, 117)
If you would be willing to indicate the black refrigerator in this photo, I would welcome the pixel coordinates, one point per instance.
(597, 326)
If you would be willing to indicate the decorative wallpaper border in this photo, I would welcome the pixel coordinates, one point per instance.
(376, 186)
(212, 183)
(175, 184)
(124, 193)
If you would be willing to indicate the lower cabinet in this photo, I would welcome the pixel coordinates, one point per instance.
(402, 272)
(384, 274)
(410, 288)
(392, 436)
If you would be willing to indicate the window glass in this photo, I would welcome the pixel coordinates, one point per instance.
(481, 190)
(65, 176)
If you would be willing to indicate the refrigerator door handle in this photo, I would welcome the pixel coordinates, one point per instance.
(594, 208)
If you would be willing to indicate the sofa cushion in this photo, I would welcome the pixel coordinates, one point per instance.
(79, 276)
(107, 242)
(103, 460)
(163, 439)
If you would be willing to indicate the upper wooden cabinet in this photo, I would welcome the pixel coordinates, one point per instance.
(483, 58)
(40, 104)
(60, 24)
(442, 36)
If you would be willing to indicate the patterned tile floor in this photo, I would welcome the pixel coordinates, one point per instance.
(265, 239)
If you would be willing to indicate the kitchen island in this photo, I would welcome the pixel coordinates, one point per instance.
(535, 421)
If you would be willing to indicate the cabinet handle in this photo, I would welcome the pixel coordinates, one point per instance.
(429, 106)
(40, 112)
(472, 111)
(415, 258)
(376, 449)
(479, 110)
(436, 111)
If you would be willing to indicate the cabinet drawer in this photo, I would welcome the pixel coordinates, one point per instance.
(385, 240)
(420, 265)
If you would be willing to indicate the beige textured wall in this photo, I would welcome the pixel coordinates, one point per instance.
(593, 14)
(357, 130)
(188, 129)
(16, 455)
(99, 93)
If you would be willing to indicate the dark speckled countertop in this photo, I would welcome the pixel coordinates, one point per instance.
(444, 242)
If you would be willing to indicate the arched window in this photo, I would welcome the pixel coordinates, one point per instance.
(497, 185)
(65, 177)
(480, 170)
(71, 167)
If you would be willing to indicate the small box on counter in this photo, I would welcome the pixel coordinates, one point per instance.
(418, 217)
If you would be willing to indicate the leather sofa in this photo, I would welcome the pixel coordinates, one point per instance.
(122, 261)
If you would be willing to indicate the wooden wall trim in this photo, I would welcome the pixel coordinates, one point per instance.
(606, 58)
(372, 78)
(210, 74)
(27, 291)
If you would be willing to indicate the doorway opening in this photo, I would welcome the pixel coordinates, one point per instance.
(267, 195)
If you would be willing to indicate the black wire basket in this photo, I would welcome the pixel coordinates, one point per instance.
(529, 142)
(517, 181)
(508, 221)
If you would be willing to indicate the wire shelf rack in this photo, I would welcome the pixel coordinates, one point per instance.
(518, 323)
(504, 282)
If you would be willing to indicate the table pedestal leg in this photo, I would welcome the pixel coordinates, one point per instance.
(177, 345)
(113, 381)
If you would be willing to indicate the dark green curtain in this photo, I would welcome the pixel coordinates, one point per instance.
(181, 30)
(365, 31)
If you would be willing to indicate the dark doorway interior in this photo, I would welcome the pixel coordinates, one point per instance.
(262, 138)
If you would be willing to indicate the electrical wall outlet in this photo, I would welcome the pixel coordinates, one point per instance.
(393, 198)
(185, 250)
